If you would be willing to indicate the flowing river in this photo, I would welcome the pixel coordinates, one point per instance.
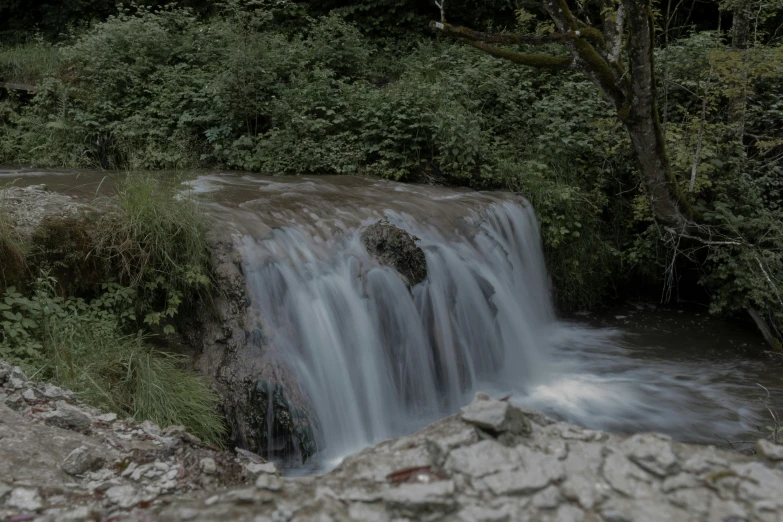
(377, 359)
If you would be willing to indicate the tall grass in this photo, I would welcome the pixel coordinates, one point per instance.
(13, 249)
(121, 374)
(151, 228)
(29, 63)
(155, 237)
(81, 345)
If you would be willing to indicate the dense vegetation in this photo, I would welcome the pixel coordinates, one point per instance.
(81, 296)
(364, 87)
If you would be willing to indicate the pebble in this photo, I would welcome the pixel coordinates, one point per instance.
(208, 466)
(81, 460)
(67, 417)
(769, 450)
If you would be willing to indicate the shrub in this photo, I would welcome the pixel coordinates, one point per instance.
(80, 345)
(154, 238)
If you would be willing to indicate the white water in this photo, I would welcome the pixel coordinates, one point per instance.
(376, 359)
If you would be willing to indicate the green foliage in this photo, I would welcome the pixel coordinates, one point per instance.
(154, 237)
(29, 63)
(13, 251)
(320, 87)
(80, 345)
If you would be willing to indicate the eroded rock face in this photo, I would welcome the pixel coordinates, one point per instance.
(27, 207)
(259, 393)
(394, 247)
(487, 465)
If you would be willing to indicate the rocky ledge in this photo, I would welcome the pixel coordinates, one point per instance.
(494, 462)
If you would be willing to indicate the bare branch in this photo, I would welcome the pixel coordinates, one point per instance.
(442, 8)
(466, 33)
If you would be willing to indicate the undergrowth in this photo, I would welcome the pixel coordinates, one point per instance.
(154, 238)
(81, 345)
(30, 63)
(129, 272)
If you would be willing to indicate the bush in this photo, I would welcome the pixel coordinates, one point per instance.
(80, 345)
(154, 239)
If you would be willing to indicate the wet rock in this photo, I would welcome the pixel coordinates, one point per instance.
(81, 460)
(652, 452)
(68, 418)
(769, 450)
(394, 247)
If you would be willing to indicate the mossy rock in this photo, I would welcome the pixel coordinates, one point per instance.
(394, 247)
(279, 429)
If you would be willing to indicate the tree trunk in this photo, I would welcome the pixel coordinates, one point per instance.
(642, 121)
(740, 41)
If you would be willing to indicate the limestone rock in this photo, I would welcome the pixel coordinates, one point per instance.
(652, 452)
(208, 466)
(769, 450)
(25, 499)
(81, 460)
(497, 417)
(67, 417)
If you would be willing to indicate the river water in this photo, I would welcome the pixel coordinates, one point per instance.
(377, 359)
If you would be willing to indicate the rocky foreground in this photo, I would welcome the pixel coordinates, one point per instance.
(63, 461)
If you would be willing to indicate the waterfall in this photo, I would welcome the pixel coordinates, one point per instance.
(376, 358)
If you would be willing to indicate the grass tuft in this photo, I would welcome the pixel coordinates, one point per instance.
(121, 374)
(29, 63)
(13, 250)
(155, 236)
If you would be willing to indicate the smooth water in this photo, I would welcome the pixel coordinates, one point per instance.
(377, 359)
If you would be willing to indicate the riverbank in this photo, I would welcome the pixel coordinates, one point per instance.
(62, 460)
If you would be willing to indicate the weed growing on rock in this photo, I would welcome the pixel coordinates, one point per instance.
(154, 237)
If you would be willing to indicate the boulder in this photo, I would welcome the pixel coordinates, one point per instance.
(392, 246)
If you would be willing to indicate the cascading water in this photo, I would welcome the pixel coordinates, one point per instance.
(364, 357)
(373, 358)
(376, 358)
